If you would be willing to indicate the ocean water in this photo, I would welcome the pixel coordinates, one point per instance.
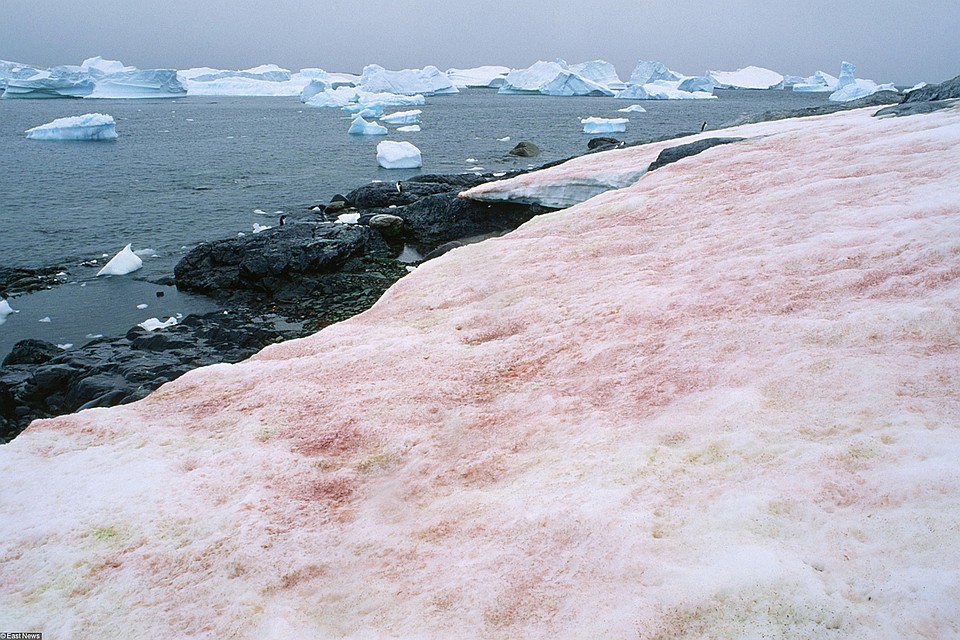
(199, 168)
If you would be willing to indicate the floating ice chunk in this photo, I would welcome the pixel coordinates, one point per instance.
(121, 264)
(398, 155)
(504, 139)
(604, 125)
(428, 81)
(146, 253)
(348, 218)
(5, 310)
(91, 126)
(257, 228)
(471, 160)
(45, 319)
(338, 98)
(484, 76)
(142, 306)
(361, 127)
(390, 99)
(648, 71)
(139, 83)
(403, 117)
(551, 79)
(656, 91)
(747, 78)
(65, 345)
(153, 324)
(852, 88)
(365, 110)
(634, 108)
(409, 128)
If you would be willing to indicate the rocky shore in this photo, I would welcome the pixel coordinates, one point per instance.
(319, 267)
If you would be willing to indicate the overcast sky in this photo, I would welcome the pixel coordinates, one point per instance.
(888, 40)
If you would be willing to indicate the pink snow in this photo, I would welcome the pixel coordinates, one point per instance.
(722, 402)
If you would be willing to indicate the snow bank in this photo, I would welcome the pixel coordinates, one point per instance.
(749, 430)
(746, 78)
(604, 125)
(398, 155)
(126, 261)
(90, 126)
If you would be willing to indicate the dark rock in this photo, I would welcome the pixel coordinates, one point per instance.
(389, 225)
(336, 206)
(525, 150)
(915, 108)
(281, 261)
(31, 351)
(603, 143)
(948, 90)
(878, 99)
(384, 194)
(442, 249)
(165, 281)
(672, 154)
(14, 280)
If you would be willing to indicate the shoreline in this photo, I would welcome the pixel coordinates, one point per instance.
(263, 301)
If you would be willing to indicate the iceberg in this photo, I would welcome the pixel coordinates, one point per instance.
(361, 127)
(818, 82)
(649, 71)
(403, 117)
(695, 84)
(390, 99)
(126, 261)
(604, 125)
(15, 71)
(90, 126)
(263, 80)
(58, 82)
(98, 68)
(485, 76)
(5, 310)
(315, 86)
(851, 88)
(412, 128)
(600, 72)
(634, 108)
(428, 81)
(139, 83)
(334, 98)
(398, 155)
(551, 79)
(657, 91)
(747, 78)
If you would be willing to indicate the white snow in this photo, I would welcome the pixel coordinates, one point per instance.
(361, 127)
(747, 78)
(634, 108)
(851, 88)
(398, 155)
(428, 81)
(403, 117)
(348, 218)
(126, 261)
(551, 79)
(410, 128)
(153, 324)
(483, 76)
(604, 125)
(90, 126)
(5, 310)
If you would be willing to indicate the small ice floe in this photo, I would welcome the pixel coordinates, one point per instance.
(634, 108)
(5, 310)
(91, 126)
(471, 161)
(499, 174)
(348, 218)
(241, 234)
(65, 345)
(402, 117)
(155, 323)
(257, 228)
(504, 139)
(121, 264)
(398, 155)
(260, 212)
(360, 127)
(409, 128)
(45, 319)
(94, 336)
(604, 125)
(142, 306)
(476, 169)
(146, 253)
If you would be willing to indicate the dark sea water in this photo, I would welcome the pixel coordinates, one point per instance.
(193, 169)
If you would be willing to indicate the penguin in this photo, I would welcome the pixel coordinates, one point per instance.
(703, 126)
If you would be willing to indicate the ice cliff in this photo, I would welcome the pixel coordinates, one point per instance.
(721, 402)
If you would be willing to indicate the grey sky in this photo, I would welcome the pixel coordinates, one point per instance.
(888, 40)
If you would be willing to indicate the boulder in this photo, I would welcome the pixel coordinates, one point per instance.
(672, 154)
(389, 226)
(31, 351)
(525, 150)
(603, 143)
